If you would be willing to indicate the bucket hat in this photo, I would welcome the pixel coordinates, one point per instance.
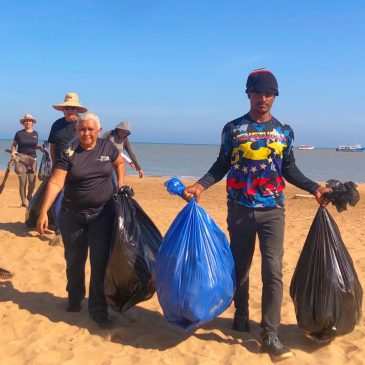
(71, 99)
(27, 117)
(125, 125)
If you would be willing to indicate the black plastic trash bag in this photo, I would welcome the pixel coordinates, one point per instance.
(325, 289)
(135, 243)
(45, 168)
(32, 212)
(342, 194)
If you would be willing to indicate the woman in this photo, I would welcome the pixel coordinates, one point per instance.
(119, 136)
(27, 142)
(86, 217)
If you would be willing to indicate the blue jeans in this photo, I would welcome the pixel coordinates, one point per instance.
(56, 209)
(80, 231)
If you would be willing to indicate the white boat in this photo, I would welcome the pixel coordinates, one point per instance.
(305, 147)
(350, 148)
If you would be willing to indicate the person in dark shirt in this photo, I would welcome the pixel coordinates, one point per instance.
(62, 133)
(86, 217)
(26, 142)
(257, 154)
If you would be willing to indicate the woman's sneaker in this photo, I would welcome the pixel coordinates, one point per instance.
(272, 346)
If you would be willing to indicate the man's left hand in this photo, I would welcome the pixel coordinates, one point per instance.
(319, 195)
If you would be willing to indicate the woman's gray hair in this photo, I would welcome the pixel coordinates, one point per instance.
(88, 116)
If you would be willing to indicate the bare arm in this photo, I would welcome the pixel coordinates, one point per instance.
(13, 147)
(54, 186)
(119, 166)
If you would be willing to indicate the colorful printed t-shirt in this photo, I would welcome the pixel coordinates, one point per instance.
(256, 151)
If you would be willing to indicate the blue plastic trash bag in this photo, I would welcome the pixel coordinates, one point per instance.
(195, 279)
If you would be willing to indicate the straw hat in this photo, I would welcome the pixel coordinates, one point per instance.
(71, 99)
(27, 117)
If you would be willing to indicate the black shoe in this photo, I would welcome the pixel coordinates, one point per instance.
(272, 345)
(241, 323)
(24, 205)
(74, 307)
(103, 320)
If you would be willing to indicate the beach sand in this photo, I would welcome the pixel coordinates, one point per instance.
(36, 329)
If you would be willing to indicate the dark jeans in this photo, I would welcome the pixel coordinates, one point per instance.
(243, 224)
(78, 232)
(56, 210)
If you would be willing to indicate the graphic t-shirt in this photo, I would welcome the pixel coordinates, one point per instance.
(89, 177)
(253, 153)
(27, 142)
(61, 134)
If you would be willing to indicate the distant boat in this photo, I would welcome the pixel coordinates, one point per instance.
(306, 147)
(350, 148)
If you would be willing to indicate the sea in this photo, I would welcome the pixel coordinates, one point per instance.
(193, 161)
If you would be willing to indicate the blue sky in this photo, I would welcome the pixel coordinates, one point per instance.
(177, 69)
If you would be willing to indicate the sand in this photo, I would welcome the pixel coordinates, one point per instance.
(36, 329)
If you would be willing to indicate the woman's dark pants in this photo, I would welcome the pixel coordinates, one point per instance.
(80, 231)
(243, 225)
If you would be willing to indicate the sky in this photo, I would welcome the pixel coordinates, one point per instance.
(177, 69)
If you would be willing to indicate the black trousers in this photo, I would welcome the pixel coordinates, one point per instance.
(80, 231)
(243, 225)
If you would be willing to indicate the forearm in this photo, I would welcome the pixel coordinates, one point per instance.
(216, 173)
(294, 176)
(128, 148)
(52, 190)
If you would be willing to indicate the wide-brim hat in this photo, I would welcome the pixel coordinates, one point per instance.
(71, 99)
(27, 117)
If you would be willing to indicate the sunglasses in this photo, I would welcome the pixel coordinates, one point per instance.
(69, 108)
(28, 121)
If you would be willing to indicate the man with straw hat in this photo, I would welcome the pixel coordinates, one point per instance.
(63, 131)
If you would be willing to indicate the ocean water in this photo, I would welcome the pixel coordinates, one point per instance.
(184, 160)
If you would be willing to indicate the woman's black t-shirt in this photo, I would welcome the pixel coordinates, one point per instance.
(89, 177)
(27, 142)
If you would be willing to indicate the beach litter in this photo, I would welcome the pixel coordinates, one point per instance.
(325, 288)
(135, 242)
(195, 279)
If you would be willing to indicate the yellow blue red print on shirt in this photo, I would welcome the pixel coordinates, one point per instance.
(256, 151)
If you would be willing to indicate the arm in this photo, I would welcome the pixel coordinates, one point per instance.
(119, 167)
(13, 147)
(54, 186)
(218, 170)
(294, 176)
(132, 155)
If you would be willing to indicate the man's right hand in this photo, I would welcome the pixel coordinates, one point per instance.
(193, 191)
(42, 223)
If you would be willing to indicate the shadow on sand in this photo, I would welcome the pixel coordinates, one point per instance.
(20, 229)
(143, 328)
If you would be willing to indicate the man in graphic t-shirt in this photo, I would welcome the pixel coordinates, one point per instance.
(257, 154)
(63, 132)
